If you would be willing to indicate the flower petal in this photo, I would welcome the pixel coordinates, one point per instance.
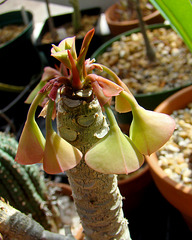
(62, 56)
(99, 93)
(121, 105)
(59, 155)
(150, 130)
(109, 88)
(31, 144)
(60, 51)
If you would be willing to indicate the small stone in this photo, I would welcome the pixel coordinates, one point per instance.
(175, 52)
(168, 171)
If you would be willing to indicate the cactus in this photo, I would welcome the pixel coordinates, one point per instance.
(24, 187)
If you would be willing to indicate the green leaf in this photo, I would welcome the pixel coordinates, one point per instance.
(179, 14)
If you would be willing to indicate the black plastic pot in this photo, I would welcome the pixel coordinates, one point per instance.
(20, 64)
(58, 21)
(20, 59)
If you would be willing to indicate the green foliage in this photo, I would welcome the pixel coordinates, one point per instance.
(179, 14)
(23, 186)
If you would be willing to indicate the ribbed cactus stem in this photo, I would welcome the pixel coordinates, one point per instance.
(96, 195)
(23, 186)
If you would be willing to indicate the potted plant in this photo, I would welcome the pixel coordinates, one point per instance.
(176, 193)
(94, 152)
(122, 15)
(171, 183)
(127, 52)
(150, 83)
(147, 62)
(141, 120)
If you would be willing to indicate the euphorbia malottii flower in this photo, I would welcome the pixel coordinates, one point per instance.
(149, 130)
(32, 142)
(115, 153)
(59, 155)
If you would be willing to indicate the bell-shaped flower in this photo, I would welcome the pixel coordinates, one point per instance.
(150, 130)
(32, 142)
(59, 155)
(115, 153)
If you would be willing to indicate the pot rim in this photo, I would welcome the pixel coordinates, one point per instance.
(127, 22)
(29, 25)
(166, 107)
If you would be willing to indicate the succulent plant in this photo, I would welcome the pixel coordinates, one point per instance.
(91, 149)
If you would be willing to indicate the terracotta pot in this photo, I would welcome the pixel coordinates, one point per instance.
(116, 27)
(133, 188)
(177, 194)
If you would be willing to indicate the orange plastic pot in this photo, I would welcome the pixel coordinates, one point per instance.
(116, 27)
(177, 194)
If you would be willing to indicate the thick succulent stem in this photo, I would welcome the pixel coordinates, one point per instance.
(97, 197)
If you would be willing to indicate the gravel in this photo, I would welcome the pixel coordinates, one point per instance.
(175, 157)
(127, 58)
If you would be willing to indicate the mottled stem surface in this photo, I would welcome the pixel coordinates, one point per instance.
(97, 197)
